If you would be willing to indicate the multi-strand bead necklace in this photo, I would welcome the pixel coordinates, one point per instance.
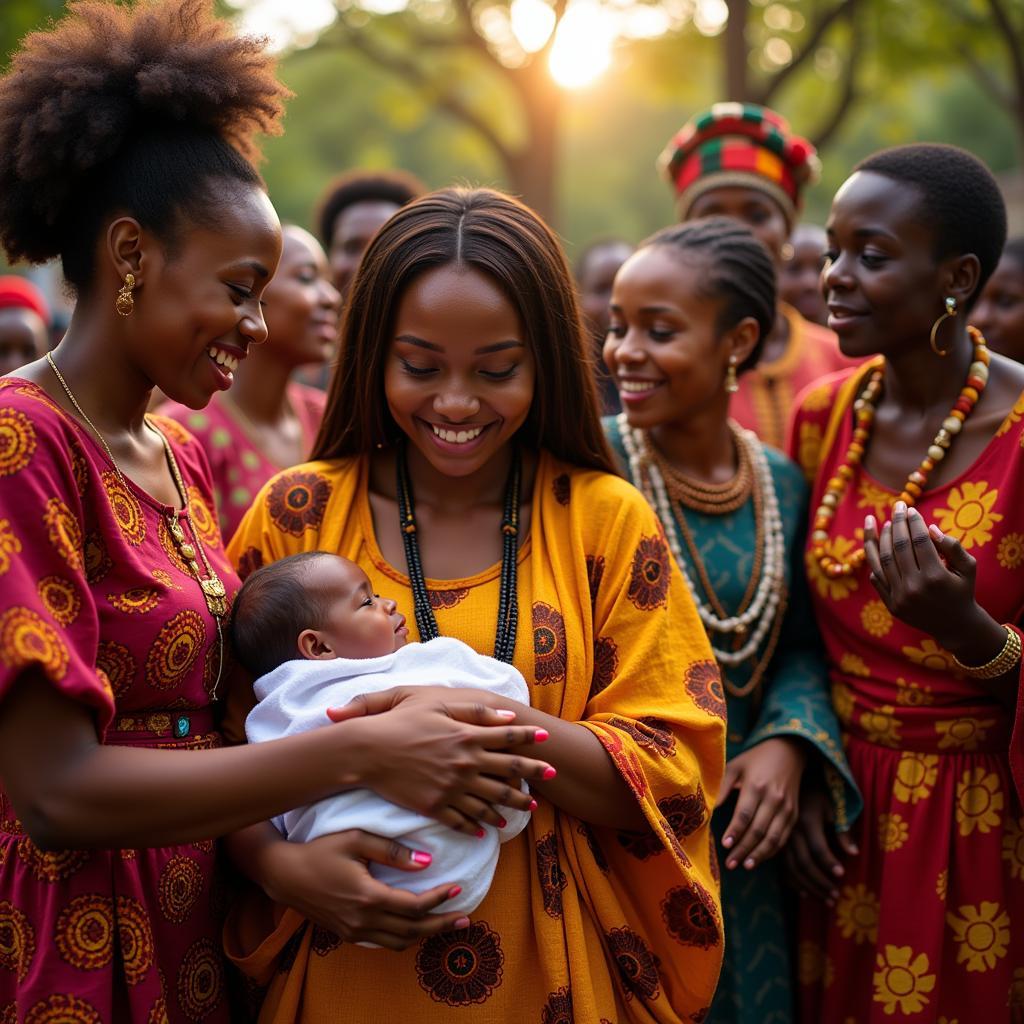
(508, 604)
(864, 415)
(761, 612)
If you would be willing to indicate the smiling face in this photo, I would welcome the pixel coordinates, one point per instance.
(301, 304)
(883, 286)
(459, 377)
(357, 623)
(198, 305)
(999, 314)
(664, 346)
(750, 206)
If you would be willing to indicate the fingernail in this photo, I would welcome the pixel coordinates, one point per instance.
(421, 857)
(533, 805)
(912, 513)
(935, 532)
(838, 870)
(502, 713)
(900, 507)
(540, 735)
(462, 922)
(502, 823)
(728, 841)
(549, 773)
(854, 850)
(731, 864)
(834, 895)
(480, 833)
(454, 891)
(869, 523)
(749, 863)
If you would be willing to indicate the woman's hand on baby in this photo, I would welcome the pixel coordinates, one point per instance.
(328, 881)
(768, 779)
(436, 752)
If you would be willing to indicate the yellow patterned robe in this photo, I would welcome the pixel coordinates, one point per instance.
(582, 922)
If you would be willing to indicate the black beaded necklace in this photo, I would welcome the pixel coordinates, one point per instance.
(508, 604)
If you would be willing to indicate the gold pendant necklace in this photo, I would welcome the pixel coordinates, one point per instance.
(214, 591)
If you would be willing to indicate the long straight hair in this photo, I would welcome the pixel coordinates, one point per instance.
(500, 237)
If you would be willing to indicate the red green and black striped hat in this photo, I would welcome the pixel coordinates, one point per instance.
(739, 144)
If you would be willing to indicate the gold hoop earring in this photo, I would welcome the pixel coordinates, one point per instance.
(949, 311)
(732, 385)
(125, 301)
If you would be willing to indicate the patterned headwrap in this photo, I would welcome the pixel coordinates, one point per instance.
(739, 144)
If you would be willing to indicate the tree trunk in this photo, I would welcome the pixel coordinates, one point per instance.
(736, 53)
(532, 171)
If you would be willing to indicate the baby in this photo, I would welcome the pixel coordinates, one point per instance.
(312, 630)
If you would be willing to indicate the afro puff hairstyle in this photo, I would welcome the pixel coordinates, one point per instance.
(137, 109)
(960, 201)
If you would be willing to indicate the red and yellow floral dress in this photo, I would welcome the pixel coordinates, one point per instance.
(96, 600)
(927, 927)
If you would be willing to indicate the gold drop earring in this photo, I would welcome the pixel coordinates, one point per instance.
(732, 385)
(125, 301)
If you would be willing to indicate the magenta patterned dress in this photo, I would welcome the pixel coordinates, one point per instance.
(95, 597)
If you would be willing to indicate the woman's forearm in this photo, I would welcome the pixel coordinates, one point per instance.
(71, 791)
(588, 785)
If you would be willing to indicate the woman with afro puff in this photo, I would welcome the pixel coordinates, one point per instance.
(126, 141)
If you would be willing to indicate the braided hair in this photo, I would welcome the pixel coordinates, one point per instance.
(148, 109)
(736, 270)
(960, 202)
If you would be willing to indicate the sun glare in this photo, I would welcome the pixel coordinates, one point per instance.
(286, 22)
(533, 21)
(582, 50)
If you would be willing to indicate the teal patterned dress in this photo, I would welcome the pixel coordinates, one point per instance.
(758, 979)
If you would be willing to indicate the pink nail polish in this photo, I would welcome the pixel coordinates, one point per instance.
(502, 823)
(549, 773)
(421, 857)
(480, 833)
(533, 805)
(454, 891)
(540, 735)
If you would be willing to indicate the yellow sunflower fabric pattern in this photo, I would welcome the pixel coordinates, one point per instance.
(921, 930)
(580, 921)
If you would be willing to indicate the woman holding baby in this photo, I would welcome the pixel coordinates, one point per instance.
(452, 469)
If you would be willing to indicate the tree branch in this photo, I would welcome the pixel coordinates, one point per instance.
(1012, 39)
(989, 83)
(415, 75)
(848, 92)
(842, 8)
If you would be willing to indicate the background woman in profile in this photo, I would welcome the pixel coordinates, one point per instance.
(914, 559)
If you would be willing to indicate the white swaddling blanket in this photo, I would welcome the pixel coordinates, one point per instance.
(294, 698)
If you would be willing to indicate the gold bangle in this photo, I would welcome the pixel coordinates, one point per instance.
(1000, 664)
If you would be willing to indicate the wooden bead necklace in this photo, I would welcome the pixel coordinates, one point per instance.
(508, 603)
(864, 415)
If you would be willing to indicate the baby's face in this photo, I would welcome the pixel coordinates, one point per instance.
(358, 623)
